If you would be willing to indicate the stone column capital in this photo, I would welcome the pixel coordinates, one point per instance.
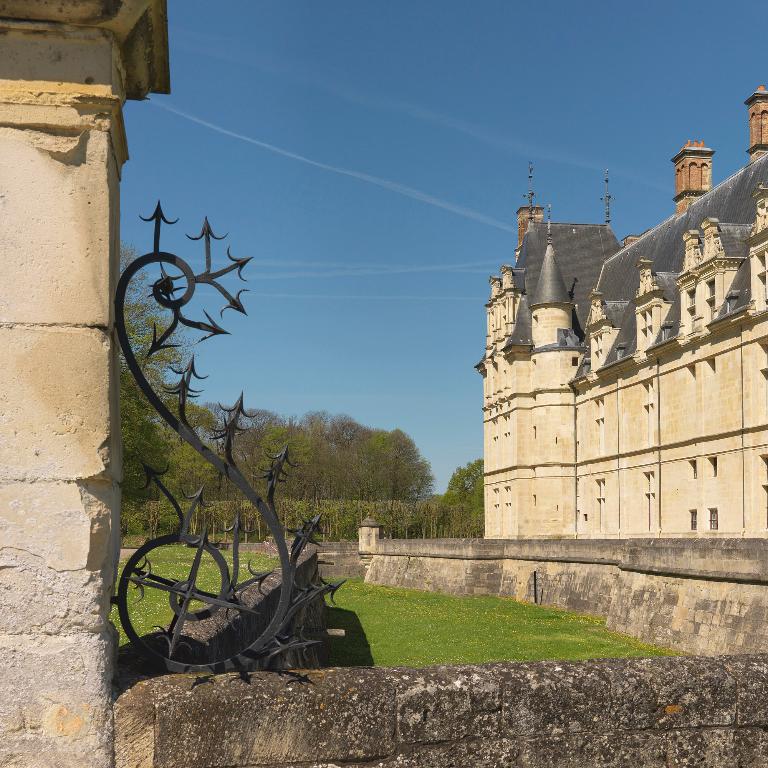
(138, 27)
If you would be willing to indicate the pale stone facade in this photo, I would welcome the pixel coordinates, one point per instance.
(65, 71)
(637, 404)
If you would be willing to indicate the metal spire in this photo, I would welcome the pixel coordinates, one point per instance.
(549, 223)
(531, 196)
(607, 200)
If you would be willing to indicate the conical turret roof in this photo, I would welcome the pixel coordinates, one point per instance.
(550, 288)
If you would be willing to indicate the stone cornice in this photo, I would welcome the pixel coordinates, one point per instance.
(139, 27)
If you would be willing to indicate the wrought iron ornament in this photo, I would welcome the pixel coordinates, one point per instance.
(165, 648)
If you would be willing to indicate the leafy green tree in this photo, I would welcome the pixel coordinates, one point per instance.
(462, 501)
(466, 486)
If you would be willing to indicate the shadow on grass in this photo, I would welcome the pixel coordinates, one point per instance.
(353, 649)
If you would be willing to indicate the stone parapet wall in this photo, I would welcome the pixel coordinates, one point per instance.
(649, 713)
(340, 560)
(702, 596)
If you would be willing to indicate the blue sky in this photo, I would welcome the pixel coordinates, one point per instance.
(370, 157)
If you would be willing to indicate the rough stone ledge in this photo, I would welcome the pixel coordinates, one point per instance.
(746, 560)
(647, 713)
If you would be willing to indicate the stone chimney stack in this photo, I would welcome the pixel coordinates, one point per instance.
(525, 214)
(693, 173)
(757, 104)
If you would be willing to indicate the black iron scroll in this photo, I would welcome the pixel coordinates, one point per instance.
(165, 648)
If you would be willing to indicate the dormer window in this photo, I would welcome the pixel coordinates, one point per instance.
(666, 331)
(711, 298)
(621, 350)
(646, 328)
(730, 301)
(598, 349)
(761, 277)
(691, 307)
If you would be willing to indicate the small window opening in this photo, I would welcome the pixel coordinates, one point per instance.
(694, 519)
(713, 521)
(694, 468)
(713, 465)
(711, 298)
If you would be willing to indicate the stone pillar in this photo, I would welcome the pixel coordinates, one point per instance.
(368, 540)
(65, 70)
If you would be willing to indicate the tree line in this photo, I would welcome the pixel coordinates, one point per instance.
(343, 470)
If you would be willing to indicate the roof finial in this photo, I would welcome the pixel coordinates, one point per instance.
(607, 200)
(549, 223)
(531, 196)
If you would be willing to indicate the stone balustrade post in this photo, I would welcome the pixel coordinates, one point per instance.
(65, 70)
(368, 534)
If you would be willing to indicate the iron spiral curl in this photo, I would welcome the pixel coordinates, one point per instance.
(183, 595)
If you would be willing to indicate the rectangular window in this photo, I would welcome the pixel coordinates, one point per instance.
(713, 521)
(694, 468)
(649, 327)
(691, 308)
(600, 423)
(650, 496)
(765, 488)
(713, 465)
(711, 298)
(600, 502)
(650, 411)
(694, 519)
(764, 371)
(534, 499)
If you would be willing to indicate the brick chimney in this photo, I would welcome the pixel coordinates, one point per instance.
(757, 105)
(693, 173)
(526, 214)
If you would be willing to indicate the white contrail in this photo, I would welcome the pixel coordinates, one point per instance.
(340, 269)
(392, 186)
(350, 296)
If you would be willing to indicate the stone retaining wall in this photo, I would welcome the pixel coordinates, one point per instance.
(340, 560)
(706, 596)
(650, 713)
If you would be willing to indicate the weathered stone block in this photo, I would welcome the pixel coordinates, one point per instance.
(60, 240)
(446, 703)
(554, 697)
(52, 716)
(668, 693)
(30, 511)
(36, 599)
(750, 674)
(55, 403)
(267, 718)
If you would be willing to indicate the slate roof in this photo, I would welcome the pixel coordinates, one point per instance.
(550, 287)
(731, 203)
(581, 250)
(521, 334)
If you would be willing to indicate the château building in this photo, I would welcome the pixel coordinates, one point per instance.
(626, 383)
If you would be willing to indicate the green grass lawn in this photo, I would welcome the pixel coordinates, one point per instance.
(388, 626)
